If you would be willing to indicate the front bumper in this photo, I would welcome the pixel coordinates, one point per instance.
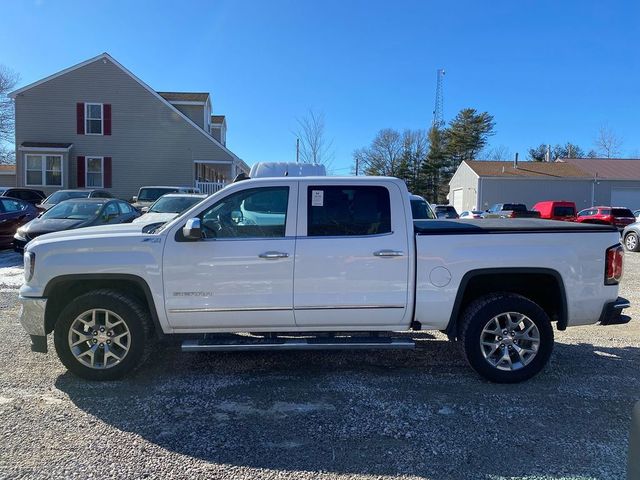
(612, 312)
(32, 320)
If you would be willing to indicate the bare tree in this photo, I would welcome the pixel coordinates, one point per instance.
(608, 144)
(7, 155)
(8, 80)
(384, 155)
(499, 152)
(314, 146)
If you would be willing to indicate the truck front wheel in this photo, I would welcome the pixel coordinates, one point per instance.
(506, 337)
(103, 335)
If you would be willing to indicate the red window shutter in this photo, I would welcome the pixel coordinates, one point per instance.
(107, 172)
(106, 111)
(80, 118)
(80, 171)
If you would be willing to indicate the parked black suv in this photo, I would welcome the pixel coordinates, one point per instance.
(62, 195)
(27, 194)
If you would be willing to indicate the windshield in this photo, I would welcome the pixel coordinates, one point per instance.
(73, 211)
(173, 204)
(420, 210)
(152, 194)
(58, 197)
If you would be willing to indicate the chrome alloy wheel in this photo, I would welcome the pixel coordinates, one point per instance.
(510, 341)
(99, 338)
(631, 242)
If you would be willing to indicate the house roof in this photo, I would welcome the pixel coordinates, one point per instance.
(106, 56)
(607, 168)
(217, 118)
(184, 96)
(526, 169)
(45, 145)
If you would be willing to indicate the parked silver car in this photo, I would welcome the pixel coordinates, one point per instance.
(631, 237)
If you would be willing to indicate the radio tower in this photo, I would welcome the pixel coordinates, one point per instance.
(438, 120)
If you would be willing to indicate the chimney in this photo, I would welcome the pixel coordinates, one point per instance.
(515, 161)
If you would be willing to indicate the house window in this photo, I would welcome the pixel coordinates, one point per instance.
(43, 170)
(94, 172)
(93, 118)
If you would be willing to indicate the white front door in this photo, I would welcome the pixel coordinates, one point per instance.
(352, 257)
(240, 276)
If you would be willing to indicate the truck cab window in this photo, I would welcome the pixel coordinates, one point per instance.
(253, 213)
(347, 211)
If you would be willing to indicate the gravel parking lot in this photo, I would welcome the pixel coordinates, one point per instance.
(413, 414)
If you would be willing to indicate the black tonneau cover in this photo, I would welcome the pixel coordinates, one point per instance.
(504, 225)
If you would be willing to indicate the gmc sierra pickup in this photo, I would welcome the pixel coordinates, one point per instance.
(317, 263)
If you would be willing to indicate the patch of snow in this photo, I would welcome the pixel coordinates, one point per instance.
(11, 276)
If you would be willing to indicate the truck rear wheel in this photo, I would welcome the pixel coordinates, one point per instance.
(103, 335)
(506, 337)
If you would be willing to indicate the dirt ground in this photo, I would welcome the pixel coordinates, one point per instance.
(400, 414)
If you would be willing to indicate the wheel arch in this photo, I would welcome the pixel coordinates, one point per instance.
(60, 290)
(548, 291)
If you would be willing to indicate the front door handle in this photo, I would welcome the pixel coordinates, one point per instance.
(273, 255)
(388, 253)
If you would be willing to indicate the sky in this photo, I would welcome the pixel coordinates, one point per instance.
(549, 71)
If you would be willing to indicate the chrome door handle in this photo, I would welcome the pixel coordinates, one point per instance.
(272, 255)
(388, 253)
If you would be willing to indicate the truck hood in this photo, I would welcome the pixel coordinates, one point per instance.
(155, 217)
(101, 231)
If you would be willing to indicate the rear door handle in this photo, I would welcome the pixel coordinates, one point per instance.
(273, 255)
(388, 253)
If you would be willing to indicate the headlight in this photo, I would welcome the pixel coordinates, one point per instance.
(29, 265)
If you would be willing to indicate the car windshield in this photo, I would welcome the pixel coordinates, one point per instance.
(173, 204)
(150, 194)
(420, 210)
(58, 197)
(622, 212)
(73, 211)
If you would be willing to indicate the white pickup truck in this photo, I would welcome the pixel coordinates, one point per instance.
(317, 263)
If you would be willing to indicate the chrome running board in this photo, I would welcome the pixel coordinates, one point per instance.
(341, 343)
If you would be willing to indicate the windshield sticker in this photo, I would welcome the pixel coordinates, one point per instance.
(317, 198)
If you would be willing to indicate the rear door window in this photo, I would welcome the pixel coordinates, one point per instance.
(622, 212)
(565, 211)
(347, 210)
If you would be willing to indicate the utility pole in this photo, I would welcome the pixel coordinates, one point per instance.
(438, 119)
(357, 162)
(297, 150)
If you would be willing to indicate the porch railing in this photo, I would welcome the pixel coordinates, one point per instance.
(210, 187)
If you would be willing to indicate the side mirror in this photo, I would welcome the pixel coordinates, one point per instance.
(192, 230)
(134, 199)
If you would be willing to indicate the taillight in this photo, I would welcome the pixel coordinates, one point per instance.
(512, 214)
(613, 265)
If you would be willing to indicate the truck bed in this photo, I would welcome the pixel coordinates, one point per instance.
(504, 225)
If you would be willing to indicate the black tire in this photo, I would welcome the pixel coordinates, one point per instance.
(132, 312)
(632, 238)
(477, 316)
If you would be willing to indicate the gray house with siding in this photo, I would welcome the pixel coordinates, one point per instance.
(587, 182)
(97, 125)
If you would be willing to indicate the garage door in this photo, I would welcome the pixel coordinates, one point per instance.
(626, 197)
(457, 200)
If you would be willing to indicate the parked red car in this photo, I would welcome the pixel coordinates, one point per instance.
(13, 214)
(617, 216)
(556, 210)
